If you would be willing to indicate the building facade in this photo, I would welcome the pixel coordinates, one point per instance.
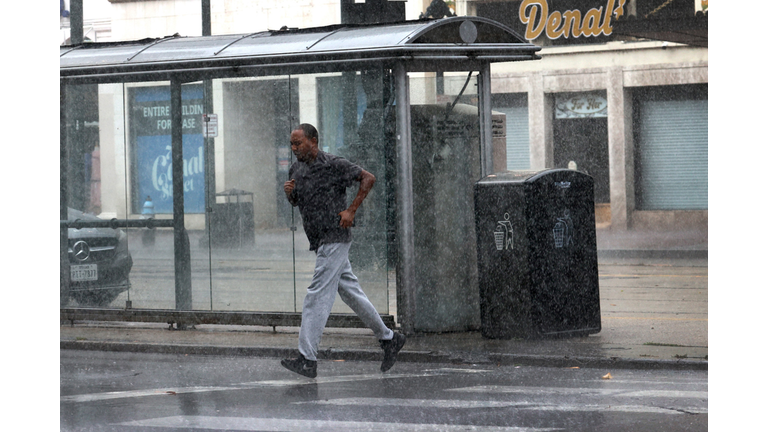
(631, 112)
(628, 110)
(619, 102)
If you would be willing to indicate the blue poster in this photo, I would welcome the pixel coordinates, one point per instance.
(155, 175)
(151, 131)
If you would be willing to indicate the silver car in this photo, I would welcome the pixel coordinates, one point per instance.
(99, 262)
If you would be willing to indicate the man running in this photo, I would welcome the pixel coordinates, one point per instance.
(317, 185)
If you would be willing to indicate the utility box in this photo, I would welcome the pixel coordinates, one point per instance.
(537, 254)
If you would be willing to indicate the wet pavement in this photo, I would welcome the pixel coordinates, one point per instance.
(118, 391)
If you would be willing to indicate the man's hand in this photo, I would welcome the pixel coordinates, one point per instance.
(288, 187)
(347, 218)
(366, 180)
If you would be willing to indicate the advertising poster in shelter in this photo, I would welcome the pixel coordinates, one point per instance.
(150, 123)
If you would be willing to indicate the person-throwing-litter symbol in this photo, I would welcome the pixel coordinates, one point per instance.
(563, 231)
(503, 234)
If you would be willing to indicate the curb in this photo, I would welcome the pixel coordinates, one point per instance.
(404, 356)
(654, 254)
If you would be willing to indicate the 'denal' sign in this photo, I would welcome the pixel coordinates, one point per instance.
(535, 14)
(150, 123)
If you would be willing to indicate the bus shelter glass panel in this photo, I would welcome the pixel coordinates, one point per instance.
(260, 257)
(249, 233)
(118, 155)
(353, 115)
(445, 142)
(149, 143)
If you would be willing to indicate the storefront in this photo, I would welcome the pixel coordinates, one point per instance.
(612, 97)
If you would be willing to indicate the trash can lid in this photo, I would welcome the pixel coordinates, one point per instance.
(507, 177)
(527, 176)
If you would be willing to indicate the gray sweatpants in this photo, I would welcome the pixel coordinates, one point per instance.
(333, 273)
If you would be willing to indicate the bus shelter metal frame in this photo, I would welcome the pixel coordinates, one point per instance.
(449, 44)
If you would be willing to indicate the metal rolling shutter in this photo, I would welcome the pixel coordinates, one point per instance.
(673, 153)
(518, 145)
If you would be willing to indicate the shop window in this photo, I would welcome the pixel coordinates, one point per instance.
(514, 106)
(671, 137)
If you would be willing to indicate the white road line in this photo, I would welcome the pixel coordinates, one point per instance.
(619, 408)
(617, 392)
(679, 394)
(415, 403)
(242, 386)
(284, 425)
(459, 370)
(336, 379)
(140, 393)
(528, 406)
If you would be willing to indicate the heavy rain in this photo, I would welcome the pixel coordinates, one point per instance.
(537, 233)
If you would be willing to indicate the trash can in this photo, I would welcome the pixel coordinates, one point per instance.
(537, 254)
(232, 224)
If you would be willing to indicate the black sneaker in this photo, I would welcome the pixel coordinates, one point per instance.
(301, 366)
(391, 348)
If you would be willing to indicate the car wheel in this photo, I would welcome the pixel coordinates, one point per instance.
(95, 298)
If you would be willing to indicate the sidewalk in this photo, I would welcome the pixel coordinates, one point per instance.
(652, 245)
(653, 290)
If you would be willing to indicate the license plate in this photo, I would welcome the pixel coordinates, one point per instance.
(84, 272)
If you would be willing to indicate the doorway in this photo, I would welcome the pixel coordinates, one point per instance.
(583, 144)
(580, 142)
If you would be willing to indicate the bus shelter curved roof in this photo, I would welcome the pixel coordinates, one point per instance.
(455, 43)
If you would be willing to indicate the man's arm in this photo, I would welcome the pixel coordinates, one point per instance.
(366, 180)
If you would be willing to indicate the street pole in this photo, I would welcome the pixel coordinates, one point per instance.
(206, 13)
(76, 22)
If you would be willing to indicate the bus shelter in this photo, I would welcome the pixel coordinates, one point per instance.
(157, 133)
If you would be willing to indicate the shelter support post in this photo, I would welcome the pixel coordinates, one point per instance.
(406, 263)
(210, 169)
(63, 188)
(209, 172)
(486, 131)
(208, 143)
(181, 253)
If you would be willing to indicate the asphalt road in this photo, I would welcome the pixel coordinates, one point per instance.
(107, 391)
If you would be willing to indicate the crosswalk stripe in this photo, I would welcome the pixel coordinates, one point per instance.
(139, 393)
(415, 403)
(337, 379)
(245, 386)
(283, 425)
(619, 408)
(529, 406)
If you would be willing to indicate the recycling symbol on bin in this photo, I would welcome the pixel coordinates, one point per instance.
(563, 231)
(502, 235)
